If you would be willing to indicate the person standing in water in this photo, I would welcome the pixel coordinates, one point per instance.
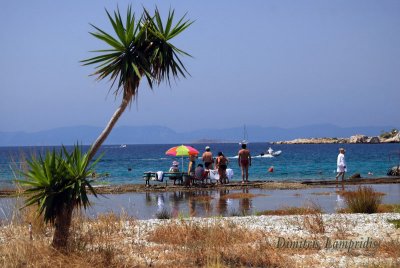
(341, 164)
(208, 158)
(244, 161)
(192, 165)
(222, 164)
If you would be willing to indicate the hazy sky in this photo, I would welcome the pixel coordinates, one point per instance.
(267, 63)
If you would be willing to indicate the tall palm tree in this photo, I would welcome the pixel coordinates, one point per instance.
(58, 183)
(141, 48)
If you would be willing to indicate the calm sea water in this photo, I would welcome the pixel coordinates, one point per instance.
(297, 162)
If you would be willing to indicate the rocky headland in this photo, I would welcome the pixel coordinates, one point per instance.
(359, 138)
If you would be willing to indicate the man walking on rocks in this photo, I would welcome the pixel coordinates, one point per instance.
(341, 165)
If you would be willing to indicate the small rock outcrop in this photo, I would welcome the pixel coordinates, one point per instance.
(358, 139)
(394, 171)
(355, 176)
(373, 140)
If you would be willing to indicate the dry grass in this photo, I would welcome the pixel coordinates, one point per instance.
(93, 242)
(310, 218)
(290, 211)
(340, 228)
(111, 240)
(391, 249)
(388, 208)
(216, 245)
(119, 241)
(382, 208)
(20, 253)
(314, 223)
(363, 200)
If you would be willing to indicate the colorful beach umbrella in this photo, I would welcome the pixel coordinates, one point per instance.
(182, 150)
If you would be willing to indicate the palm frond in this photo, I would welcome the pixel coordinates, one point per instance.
(139, 48)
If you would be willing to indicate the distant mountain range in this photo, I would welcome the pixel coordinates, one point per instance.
(164, 135)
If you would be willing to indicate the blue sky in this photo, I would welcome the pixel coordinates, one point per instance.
(268, 63)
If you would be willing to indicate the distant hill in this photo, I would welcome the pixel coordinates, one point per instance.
(162, 135)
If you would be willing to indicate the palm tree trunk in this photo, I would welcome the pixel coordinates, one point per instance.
(107, 130)
(62, 225)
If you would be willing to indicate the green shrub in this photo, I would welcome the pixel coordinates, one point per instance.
(395, 222)
(389, 134)
(363, 200)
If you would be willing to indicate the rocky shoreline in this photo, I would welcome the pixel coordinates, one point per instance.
(271, 185)
(359, 138)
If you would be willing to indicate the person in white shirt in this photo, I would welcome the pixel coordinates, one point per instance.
(341, 165)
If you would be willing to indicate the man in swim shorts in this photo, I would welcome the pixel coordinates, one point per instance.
(244, 161)
(222, 164)
(208, 158)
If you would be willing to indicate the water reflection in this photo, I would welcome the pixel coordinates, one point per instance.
(204, 203)
(175, 199)
(222, 202)
(192, 204)
(160, 203)
(200, 203)
(340, 204)
(245, 203)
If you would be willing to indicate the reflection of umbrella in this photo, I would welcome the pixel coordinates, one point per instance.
(182, 150)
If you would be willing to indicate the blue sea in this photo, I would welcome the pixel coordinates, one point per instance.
(296, 162)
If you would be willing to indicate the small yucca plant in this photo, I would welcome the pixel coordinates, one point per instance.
(58, 183)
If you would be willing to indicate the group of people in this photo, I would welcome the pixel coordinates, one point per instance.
(220, 163)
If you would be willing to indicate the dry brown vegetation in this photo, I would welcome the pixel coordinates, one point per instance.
(93, 242)
(310, 219)
(290, 211)
(382, 208)
(224, 244)
(112, 240)
(388, 208)
(363, 200)
(117, 241)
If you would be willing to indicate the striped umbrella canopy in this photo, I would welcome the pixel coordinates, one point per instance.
(182, 150)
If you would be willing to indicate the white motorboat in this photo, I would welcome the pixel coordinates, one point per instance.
(244, 141)
(270, 153)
